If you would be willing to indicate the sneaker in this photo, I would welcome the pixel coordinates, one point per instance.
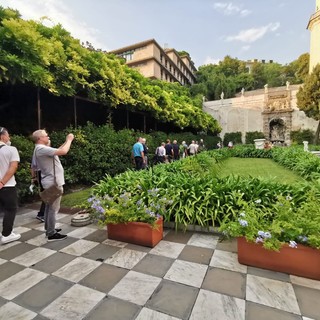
(41, 218)
(11, 237)
(56, 237)
(57, 230)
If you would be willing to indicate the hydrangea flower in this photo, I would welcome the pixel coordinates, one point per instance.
(293, 244)
(243, 223)
(259, 240)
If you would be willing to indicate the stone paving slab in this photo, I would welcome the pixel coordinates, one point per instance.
(187, 276)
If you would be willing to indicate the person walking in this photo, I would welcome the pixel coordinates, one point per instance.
(145, 152)
(48, 162)
(193, 147)
(175, 150)
(36, 180)
(9, 160)
(138, 154)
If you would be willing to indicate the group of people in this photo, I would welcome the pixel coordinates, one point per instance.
(46, 169)
(165, 152)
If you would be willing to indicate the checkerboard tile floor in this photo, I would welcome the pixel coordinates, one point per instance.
(186, 276)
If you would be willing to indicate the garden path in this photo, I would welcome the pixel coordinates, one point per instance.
(189, 276)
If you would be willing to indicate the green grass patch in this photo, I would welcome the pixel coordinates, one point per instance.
(76, 198)
(258, 168)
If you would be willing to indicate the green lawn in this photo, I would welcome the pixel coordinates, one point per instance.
(264, 168)
(73, 199)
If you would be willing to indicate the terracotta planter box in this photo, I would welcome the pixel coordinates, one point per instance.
(301, 261)
(137, 233)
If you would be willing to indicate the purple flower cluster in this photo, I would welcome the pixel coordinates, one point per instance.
(263, 235)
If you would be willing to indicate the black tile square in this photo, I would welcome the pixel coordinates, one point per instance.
(16, 250)
(256, 311)
(114, 309)
(174, 299)
(97, 236)
(178, 236)
(101, 252)
(154, 265)
(104, 278)
(8, 269)
(308, 301)
(225, 282)
(53, 262)
(196, 254)
(43, 293)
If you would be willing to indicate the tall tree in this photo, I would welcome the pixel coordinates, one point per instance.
(308, 97)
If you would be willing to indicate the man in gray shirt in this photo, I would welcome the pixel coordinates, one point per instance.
(46, 157)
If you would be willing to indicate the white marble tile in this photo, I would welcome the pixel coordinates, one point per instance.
(125, 258)
(186, 272)
(12, 311)
(8, 245)
(305, 318)
(20, 282)
(81, 232)
(114, 243)
(21, 230)
(79, 247)
(2, 261)
(63, 215)
(38, 240)
(77, 269)
(272, 293)
(148, 314)
(168, 249)
(74, 304)
(215, 306)
(227, 260)
(313, 284)
(26, 218)
(135, 287)
(41, 227)
(33, 256)
(203, 240)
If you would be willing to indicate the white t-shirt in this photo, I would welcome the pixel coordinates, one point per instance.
(8, 154)
(44, 156)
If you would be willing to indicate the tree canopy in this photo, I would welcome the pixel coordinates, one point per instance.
(308, 97)
(50, 58)
(232, 74)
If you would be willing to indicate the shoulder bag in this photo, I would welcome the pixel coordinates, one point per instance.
(51, 194)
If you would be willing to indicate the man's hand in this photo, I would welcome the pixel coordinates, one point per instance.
(70, 137)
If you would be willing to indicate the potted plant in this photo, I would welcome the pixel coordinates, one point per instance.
(283, 237)
(131, 218)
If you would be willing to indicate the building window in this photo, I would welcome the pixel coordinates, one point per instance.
(127, 55)
(161, 58)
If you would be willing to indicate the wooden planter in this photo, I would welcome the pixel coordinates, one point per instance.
(301, 261)
(137, 233)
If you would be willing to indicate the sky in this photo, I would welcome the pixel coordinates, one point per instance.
(207, 29)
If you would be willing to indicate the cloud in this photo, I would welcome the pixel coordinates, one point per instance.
(228, 9)
(245, 48)
(253, 34)
(58, 12)
(210, 60)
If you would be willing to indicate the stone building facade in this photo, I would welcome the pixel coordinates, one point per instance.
(272, 111)
(156, 62)
(314, 27)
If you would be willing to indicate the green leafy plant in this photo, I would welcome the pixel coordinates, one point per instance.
(282, 223)
(126, 207)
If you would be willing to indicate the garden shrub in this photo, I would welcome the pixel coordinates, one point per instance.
(235, 137)
(251, 136)
(299, 136)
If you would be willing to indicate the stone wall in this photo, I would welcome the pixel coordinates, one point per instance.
(272, 111)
